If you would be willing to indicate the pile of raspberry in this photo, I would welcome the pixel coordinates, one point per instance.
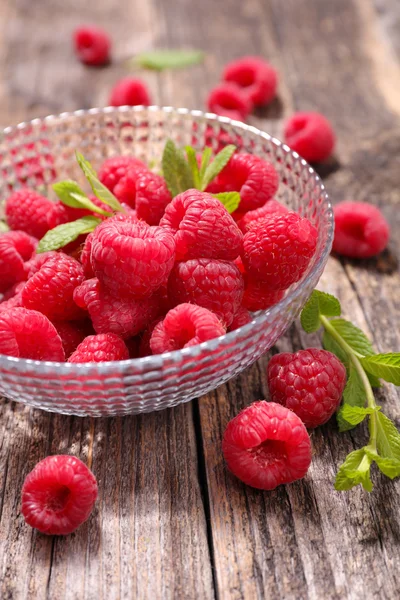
(167, 274)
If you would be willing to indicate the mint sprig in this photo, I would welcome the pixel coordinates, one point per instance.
(71, 195)
(98, 188)
(159, 60)
(60, 236)
(364, 367)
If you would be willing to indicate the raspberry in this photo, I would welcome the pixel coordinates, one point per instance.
(30, 212)
(50, 290)
(130, 258)
(71, 334)
(229, 100)
(361, 230)
(152, 197)
(124, 317)
(115, 168)
(16, 247)
(278, 249)
(214, 284)
(38, 260)
(58, 495)
(85, 257)
(309, 382)
(129, 91)
(271, 207)
(310, 135)
(259, 296)
(255, 76)
(256, 179)
(92, 45)
(125, 189)
(202, 227)
(241, 318)
(144, 346)
(99, 348)
(29, 334)
(183, 326)
(267, 445)
(13, 297)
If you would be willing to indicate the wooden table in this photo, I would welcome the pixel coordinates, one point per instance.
(171, 522)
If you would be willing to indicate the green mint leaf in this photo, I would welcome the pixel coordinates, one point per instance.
(387, 437)
(159, 60)
(374, 381)
(354, 392)
(330, 344)
(4, 227)
(176, 171)
(386, 366)
(353, 336)
(205, 161)
(216, 166)
(98, 188)
(71, 195)
(319, 303)
(194, 166)
(354, 470)
(230, 200)
(60, 236)
(388, 466)
(355, 414)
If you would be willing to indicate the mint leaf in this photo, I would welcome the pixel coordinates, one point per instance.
(230, 200)
(216, 166)
(319, 303)
(71, 194)
(98, 188)
(353, 336)
(205, 161)
(354, 470)
(386, 366)
(388, 466)
(176, 171)
(194, 165)
(4, 227)
(354, 392)
(387, 437)
(60, 236)
(159, 60)
(330, 344)
(355, 414)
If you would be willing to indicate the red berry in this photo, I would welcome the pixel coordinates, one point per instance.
(71, 334)
(309, 382)
(202, 227)
(144, 346)
(259, 296)
(12, 298)
(310, 135)
(58, 495)
(183, 326)
(125, 190)
(272, 207)
(38, 260)
(85, 257)
(241, 318)
(229, 100)
(257, 78)
(267, 445)
(130, 258)
(278, 249)
(100, 348)
(361, 230)
(30, 212)
(214, 284)
(92, 45)
(152, 197)
(129, 91)
(29, 334)
(16, 247)
(50, 290)
(115, 168)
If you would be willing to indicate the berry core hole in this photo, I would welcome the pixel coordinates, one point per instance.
(269, 451)
(354, 230)
(57, 499)
(245, 78)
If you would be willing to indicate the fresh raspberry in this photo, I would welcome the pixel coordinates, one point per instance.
(131, 258)
(309, 382)
(99, 348)
(129, 91)
(214, 284)
(29, 334)
(259, 296)
(361, 230)
(16, 247)
(255, 76)
(13, 291)
(311, 135)
(125, 317)
(267, 445)
(202, 227)
(115, 168)
(152, 197)
(183, 326)
(144, 346)
(50, 290)
(58, 495)
(85, 257)
(92, 45)
(30, 212)
(38, 260)
(125, 189)
(229, 100)
(256, 179)
(71, 334)
(272, 207)
(241, 318)
(278, 249)
(12, 298)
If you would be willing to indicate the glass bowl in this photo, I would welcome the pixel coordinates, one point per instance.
(42, 151)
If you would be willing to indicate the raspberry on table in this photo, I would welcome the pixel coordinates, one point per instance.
(72, 333)
(129, 91)
(267, 445)
(272, 207)
(116, 168)
(361, 230)
(50, 290)
(130, 258)
(16, 248)
(152, 197)
(184, 326)
(28, 211)
(29, 334)
(92, 45)
(241, 318)
(259, 296)
(309, 382)
(202, 227)
(229, 100)
(58, 495)
(214, 284)
(100, 348)
(311, 135)
(255, 76)
(278, 249)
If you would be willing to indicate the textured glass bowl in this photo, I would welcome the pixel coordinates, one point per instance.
(42, 151)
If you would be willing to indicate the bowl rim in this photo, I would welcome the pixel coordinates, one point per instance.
(112, 367)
